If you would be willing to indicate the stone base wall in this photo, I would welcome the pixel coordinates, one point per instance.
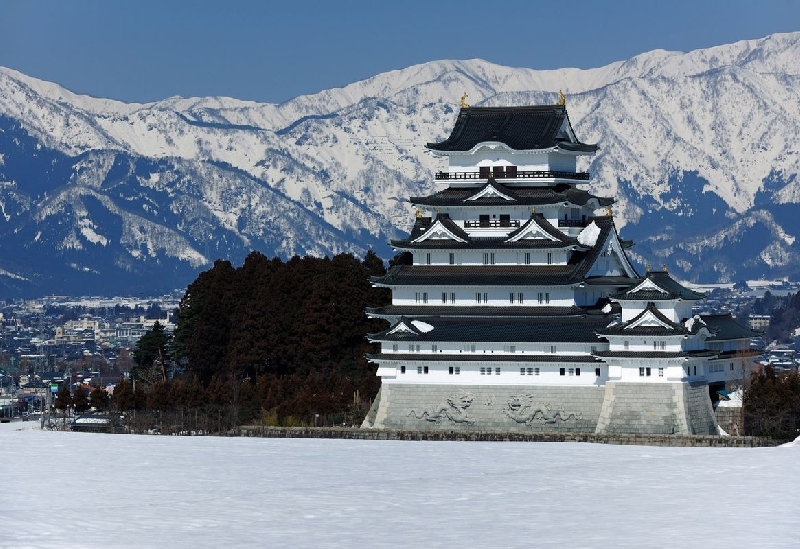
(730, 419)
(633, 408)
(480, 408)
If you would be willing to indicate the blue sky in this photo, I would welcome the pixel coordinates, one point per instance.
(146, 50)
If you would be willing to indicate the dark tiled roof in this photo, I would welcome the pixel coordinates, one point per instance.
(504, 275)
(523, 196)
(672, 289)
(724, 326)
(471, 275)
(671, 328)
(425, 224)
(567, 330)
(520, 128)
(481, 357)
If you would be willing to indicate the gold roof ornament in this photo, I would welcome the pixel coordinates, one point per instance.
(464, 101)
(609, 211)
(665, 267)
(418, 213)
(562, 100)
(647, 268)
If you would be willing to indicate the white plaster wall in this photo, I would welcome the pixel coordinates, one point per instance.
(560, 296)
(438, 374)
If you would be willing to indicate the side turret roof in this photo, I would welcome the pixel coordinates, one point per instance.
(658, 286)
(519, 128)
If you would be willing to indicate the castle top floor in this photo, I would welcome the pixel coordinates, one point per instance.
(517, 145)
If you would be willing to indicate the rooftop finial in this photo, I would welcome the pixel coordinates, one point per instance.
(665, 267)
(464, 101)
(609, 212)
(647, 268)
(418, 213)
(561, 99)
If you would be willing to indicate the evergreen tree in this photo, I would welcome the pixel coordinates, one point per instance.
(98, 399)
(63, 398)
(80, 399)
(152, 355)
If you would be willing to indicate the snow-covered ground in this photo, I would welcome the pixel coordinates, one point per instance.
(78, 490)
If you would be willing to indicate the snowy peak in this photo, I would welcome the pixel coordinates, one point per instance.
(696, 148)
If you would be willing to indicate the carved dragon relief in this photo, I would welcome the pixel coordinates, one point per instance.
(523, 409)
(454, 409)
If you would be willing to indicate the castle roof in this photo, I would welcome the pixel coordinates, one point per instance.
(658, 286)
(568, 330)
(650, 322)
(443, 232)
(724, 326)
(494, 194)
(519, 128)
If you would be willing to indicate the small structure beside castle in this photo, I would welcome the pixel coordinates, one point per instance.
(515, 306)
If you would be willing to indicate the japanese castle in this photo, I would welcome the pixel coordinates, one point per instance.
(515, 308)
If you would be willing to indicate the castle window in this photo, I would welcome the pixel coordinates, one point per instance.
(661, 372)
(505, 220)
(522, 371)
(577, 371)
(488, 258)
(641, 372)
(498, 172)
(597, 372)
(572, 371)
(483, 220)
(511, 172)
(593, 350)
(552, 349)
(647, 372)
(477, 297)
(394, 347)
(419, 369)
(452, 297)
(561, 371)
(549, 258)
(452, 258)
(434, 348)
(625, 345)
(511, 297)
(497, 371)
(527, 258)
(424, 297)
(535, 371)
(512, 349)
(472, 348)
(484, 172)
(547, 297)
(425, 370)
(483, 371)
(458, 370)
(444, 297)
(450, 370)
(402, 369)
(519, 298)
(731, 366)
(427, 259)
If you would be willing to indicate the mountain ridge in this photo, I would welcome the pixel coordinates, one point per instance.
(701, 139)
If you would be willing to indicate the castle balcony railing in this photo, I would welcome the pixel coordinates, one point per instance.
(491, 223)
(511, 174)
(572, 223)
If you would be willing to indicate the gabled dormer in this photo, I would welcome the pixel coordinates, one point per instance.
(673, 299)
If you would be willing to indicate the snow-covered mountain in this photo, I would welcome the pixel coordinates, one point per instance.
(699, 149)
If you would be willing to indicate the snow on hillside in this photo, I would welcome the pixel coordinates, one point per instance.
(706, 135)
(91, 491)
